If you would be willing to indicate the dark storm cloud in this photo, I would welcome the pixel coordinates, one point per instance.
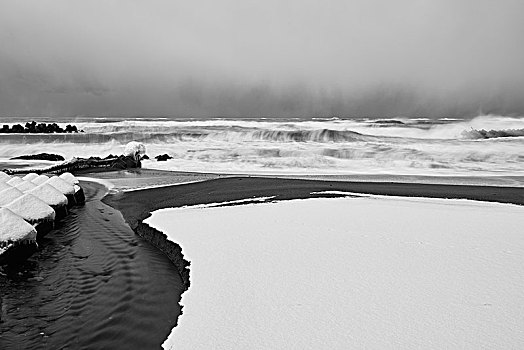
(252, 58)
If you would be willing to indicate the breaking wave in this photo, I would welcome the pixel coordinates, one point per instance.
(491, 134)
(182, 135)
(334, 145)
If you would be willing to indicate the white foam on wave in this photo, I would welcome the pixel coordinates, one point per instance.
(336, 146)
(452, 128)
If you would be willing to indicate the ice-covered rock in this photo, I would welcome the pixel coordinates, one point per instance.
(50, 195)
(30, 177)
(63, 186)
(14, 228)
(4, 177)
(79, 195)
(32, 209)
(15, 180)
(134, 149)
(69, 178)
(40, 179)
(9, 194)
(25, 186)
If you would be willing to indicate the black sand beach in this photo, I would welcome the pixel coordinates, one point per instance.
(136, 205)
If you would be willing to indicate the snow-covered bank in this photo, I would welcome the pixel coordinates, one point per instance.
(350, 273)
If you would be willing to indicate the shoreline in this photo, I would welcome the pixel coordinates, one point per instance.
(135, 194)
(137, 205)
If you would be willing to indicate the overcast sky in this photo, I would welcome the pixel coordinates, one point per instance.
(261, 58)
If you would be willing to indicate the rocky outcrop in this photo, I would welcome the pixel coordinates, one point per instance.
(40, 128)
(41, 156)
(163, 157)
(92, 163)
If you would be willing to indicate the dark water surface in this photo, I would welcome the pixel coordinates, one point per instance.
(93, 284)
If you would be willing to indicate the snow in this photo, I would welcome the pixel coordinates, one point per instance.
(338, 193)
(63, 186)
(4, 177)
(50, 195)
(30, 177)
(234, 202)
(15, 180)
(343, 273)
(77, 188)
(25, 186)
(4, 186)
(40, 179)
(8, 195)
(14, 228)
(32, 209)
(134, 149)
(69, 178)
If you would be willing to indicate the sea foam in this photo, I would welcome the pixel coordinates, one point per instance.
(484, 146)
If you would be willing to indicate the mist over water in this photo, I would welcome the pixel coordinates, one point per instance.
(237, 58)
(418, 62)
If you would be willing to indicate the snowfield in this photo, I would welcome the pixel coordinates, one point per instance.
(350, 273)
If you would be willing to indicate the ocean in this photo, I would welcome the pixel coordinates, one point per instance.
(485, 146)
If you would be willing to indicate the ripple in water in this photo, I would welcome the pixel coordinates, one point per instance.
(92, 284)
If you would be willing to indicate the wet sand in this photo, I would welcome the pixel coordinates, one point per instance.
(92, 284)
(137, 205)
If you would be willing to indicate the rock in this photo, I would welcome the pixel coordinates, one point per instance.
(41, 156)
(163, 157)
(126, 162)
(145, 156)
(41, 128)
